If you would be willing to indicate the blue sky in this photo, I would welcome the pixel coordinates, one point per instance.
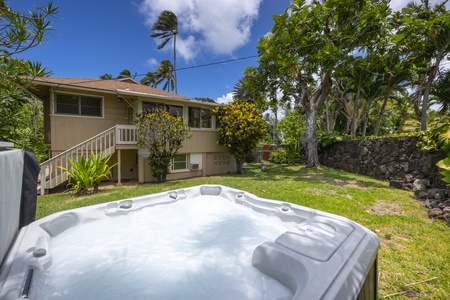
(95, 37)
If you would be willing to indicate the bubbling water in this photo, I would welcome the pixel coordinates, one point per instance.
(199, 248)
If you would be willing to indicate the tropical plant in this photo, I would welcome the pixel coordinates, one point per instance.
(241, 91)
(166, 28)
(289, 155)
(106, 76)
(165, 73)
(241, 128)
(428, 29)
(279, 156)
(442, 131)
(21, 114)
(86, 173)
(125, 73)
(309, 42)
(19, 32)
(445, 166)
(22, 31)
(150, 79)
(162, 134)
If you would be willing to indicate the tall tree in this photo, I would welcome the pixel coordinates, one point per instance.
(166, 28)
(308, 42)
(428, 29)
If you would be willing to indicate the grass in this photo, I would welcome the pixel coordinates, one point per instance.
(413, 258)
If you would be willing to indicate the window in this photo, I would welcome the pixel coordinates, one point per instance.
(199, 117)
(78, 105)
(150, 106)
(172, 109)
(175, 110)
(179, 162)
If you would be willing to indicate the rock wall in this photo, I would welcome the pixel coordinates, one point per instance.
(385, 158)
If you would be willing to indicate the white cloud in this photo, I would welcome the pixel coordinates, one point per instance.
(151, 62)
(217, 27)
(225, 98)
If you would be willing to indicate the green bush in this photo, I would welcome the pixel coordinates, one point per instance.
(328, 138)
(279, 156)
(86, 174)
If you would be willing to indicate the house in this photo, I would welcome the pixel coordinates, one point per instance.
(83, 116)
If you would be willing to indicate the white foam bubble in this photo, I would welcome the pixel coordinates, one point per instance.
(199, 248)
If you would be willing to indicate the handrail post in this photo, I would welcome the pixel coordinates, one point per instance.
(43, 180)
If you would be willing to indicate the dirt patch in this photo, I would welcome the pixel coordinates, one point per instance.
(315, 177)
(352, 184)
(385, 208)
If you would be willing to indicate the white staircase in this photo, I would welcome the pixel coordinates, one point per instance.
(104, 143)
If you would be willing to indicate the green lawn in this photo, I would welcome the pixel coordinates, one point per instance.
(414, 258)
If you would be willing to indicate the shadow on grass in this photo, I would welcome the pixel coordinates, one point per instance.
(325, 175)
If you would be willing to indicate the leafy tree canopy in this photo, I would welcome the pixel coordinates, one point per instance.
(20, 113)
(241, 128)
(308, 43)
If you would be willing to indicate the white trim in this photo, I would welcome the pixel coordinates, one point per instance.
(187, 156)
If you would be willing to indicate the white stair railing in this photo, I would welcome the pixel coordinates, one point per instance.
(105, 143)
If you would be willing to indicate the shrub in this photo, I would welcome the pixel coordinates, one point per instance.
(163, 135)
(279, 156)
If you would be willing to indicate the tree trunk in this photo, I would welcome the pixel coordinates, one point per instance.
(240, 166)
(426, 95)
(383, 107)
(275, 129)
(175, 62)
(355, 113)
(311, 108)
(310, 140)
(366, 118)
(327, 113)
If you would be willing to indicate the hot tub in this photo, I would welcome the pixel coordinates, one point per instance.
(318, 256)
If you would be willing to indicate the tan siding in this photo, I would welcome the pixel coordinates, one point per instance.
(172, 176)
(128, 165)
(202, 141)
(219, 163)
(68, 131)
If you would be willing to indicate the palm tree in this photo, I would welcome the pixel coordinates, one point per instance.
(150, 79)
(241, 91)
(165, 73)
(106, 76)
(125, 73)
(166, 27)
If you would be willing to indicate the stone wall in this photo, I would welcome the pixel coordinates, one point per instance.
(385, 158)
